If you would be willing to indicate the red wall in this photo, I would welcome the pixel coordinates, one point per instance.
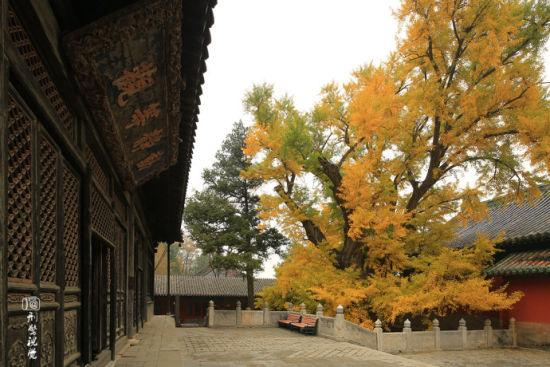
(534, 306)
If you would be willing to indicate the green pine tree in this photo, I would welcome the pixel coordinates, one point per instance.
(222, 219)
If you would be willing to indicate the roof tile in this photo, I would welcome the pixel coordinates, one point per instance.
(526, 262)
(516, 222)
(189, 285)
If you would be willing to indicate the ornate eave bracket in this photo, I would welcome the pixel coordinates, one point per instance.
(128, 69)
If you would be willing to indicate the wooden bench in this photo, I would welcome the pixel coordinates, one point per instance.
(290, 318)
(307, 325)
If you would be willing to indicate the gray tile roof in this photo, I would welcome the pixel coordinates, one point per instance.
(524, 262)
(518, 223)
(189, 285)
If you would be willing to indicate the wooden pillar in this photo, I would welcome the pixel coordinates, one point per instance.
(86, 271)
(113, 304)
(3, 186)
(60, 270)
(130, 272)
(35, 192)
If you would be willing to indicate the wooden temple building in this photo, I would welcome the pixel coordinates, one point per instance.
(522, 262)
(99, 104)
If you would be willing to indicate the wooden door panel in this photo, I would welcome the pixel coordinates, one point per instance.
(71, 261)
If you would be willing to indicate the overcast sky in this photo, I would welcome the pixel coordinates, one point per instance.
(297, 45)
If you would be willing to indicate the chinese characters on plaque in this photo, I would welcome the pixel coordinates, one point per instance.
(130, 83)
(139, 117)
(134, 81)
(129, 71)
(32, 306)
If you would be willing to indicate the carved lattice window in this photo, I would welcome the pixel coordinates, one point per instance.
(71, 216)
(48, 211)
(22, 42)
(19, 222)
(97, 171)
(102, 217)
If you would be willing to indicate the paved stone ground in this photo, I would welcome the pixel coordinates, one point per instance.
(485, 358)
(163, 345)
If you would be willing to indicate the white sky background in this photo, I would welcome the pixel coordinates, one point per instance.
(297, 45)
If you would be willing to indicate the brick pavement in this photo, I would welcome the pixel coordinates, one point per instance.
(519, 357)
(163, 345)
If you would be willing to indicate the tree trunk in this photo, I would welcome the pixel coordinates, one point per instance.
(351, 253)
(250, 287)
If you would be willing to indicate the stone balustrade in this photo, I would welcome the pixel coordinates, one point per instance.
(338, 328)
(416, 341)
(243, 318)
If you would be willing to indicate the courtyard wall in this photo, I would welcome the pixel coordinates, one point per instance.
(338, 328)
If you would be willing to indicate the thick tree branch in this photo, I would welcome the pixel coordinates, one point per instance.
(313, 233)
(350, 253)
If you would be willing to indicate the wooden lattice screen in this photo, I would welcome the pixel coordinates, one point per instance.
(19, 223)
(71, 234)
(53, 177)
(48, 210)
(103, 219)
(26, 49)
(98, 173)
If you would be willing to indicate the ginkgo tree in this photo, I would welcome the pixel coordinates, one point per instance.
(371, 180)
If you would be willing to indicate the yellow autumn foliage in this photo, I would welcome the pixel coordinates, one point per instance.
(373, 183)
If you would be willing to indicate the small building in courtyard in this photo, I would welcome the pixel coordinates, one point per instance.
(523, 261)
(190, 294)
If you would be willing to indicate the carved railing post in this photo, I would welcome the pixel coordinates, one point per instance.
(339, 322)
(379, 334)
(464, 332)
(238, 314)
(266, 313)
(211, 313)
(437, 334)
(488, 333)
(177, 311)
(406, 335)
(513, 332)
(303, 308)
(319, 312)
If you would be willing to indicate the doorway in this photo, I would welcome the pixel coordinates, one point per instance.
(102, 276)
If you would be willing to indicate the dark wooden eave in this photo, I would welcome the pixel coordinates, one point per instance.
(163, 195)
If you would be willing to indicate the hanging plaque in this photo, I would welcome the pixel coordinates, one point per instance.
(128, 68)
